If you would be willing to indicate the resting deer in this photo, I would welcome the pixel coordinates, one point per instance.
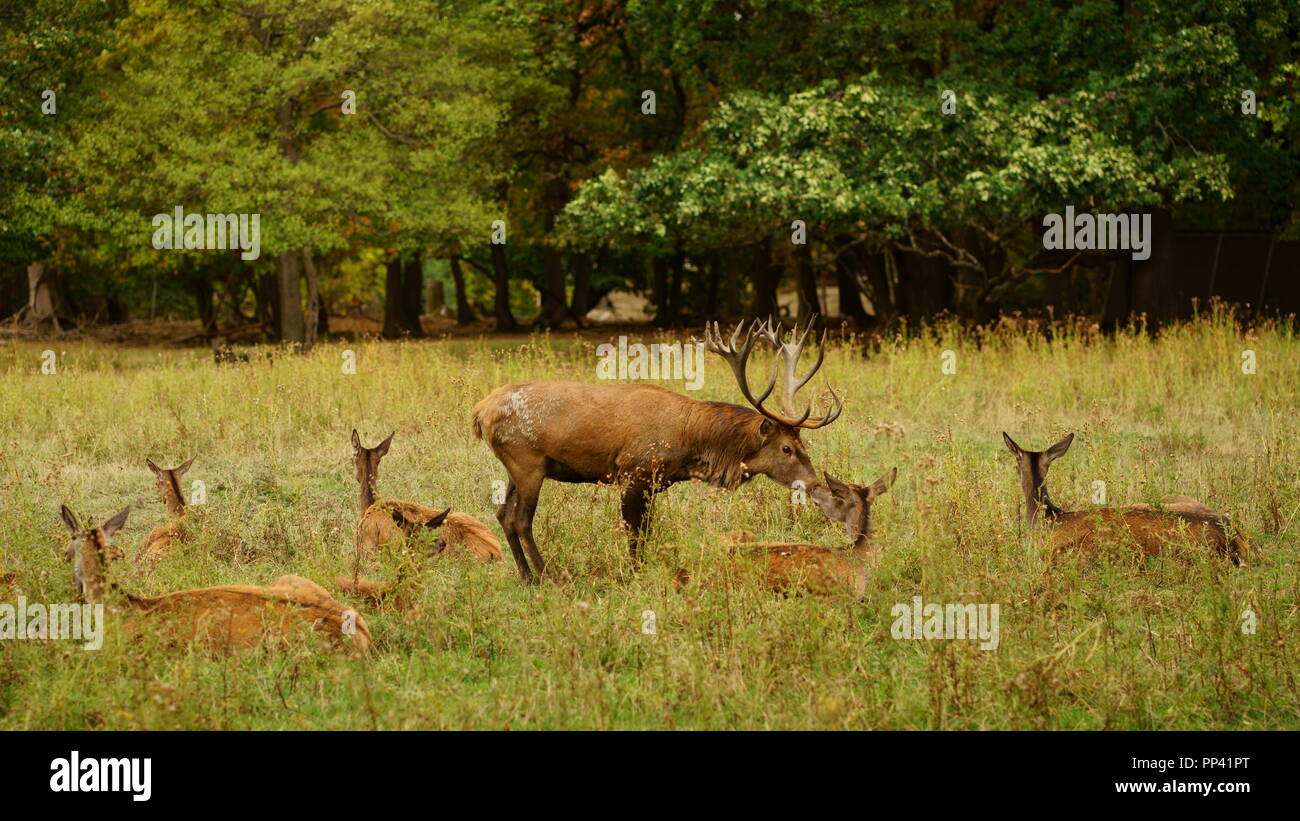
(225, 617)
(159, 542)
(384, 521)
(817, 568)
(1153, 531)
(645, 438)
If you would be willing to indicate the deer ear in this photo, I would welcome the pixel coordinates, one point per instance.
(1058, 450)
(153, 467)
(181, 470)
(834, 484)
(1015, 449)
(356, 441)
(70, 520)
(437, 519)
(765, 429)
(382, 448)
(883, 484)
(115, 524)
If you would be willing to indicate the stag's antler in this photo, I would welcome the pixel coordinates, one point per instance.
(737, 358)
(788, 354)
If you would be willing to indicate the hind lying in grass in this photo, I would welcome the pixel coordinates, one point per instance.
(158, 543)
(785, 567)
(222, 618)
(1182, 520)
(387, 522)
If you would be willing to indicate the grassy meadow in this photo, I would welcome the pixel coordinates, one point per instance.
(1110, 644)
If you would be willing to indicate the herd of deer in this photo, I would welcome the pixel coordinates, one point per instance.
(577, 432)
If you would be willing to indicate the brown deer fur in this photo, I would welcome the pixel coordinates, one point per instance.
(640, 437)
(387, 522)
(1152, 531)
(222, 618)
(785, 567)
(159, 542)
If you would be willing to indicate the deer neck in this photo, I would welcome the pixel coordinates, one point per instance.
(1039, 499)
(367, 495)
(175, 499)
(864, 544)
(90, 568)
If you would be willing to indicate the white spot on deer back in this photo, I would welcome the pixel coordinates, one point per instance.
(521, 414)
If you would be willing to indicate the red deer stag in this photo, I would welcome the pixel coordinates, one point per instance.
(1182, 520)
(646, 438)
(222, 618)
(159, 541)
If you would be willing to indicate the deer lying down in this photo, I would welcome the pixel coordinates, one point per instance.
(159, 542)
(815, 568)
(1153, 531)
(385, 522)
(222, 618)
(379, 592)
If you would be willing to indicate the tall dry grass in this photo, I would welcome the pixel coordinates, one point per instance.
(1111, 645)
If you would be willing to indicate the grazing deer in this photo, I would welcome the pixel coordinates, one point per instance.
(159, 541)
(225, 617)
(1153, 531)
(645, 438)
(384, 520)
(816, 568)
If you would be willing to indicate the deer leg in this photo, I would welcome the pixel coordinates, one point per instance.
(636, 515)
(525, 506)
(505, 513)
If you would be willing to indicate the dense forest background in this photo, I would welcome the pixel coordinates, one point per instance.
(677, 149)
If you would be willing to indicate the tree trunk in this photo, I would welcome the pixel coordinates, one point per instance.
(464, 313)
(292, 325)
(501, 282)
(677, 276)
(712, 284)
(767, 275)
(413, 294)
(203, 298)
(806, 278)
(883, 301)
(268, 305)
(553, 303)
(581, 302)
(400, 319)
(731, 284)
(663, 305)
(45, 300)
(313, 301)
(846, 281)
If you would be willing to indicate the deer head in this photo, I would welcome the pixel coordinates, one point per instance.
(850, 504)
(168, 483)
(1032, 466)
(90, 550)
(366, 461)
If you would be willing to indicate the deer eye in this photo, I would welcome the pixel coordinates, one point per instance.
(787, 450)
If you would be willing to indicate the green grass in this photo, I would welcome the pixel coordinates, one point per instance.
(1105, 645)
